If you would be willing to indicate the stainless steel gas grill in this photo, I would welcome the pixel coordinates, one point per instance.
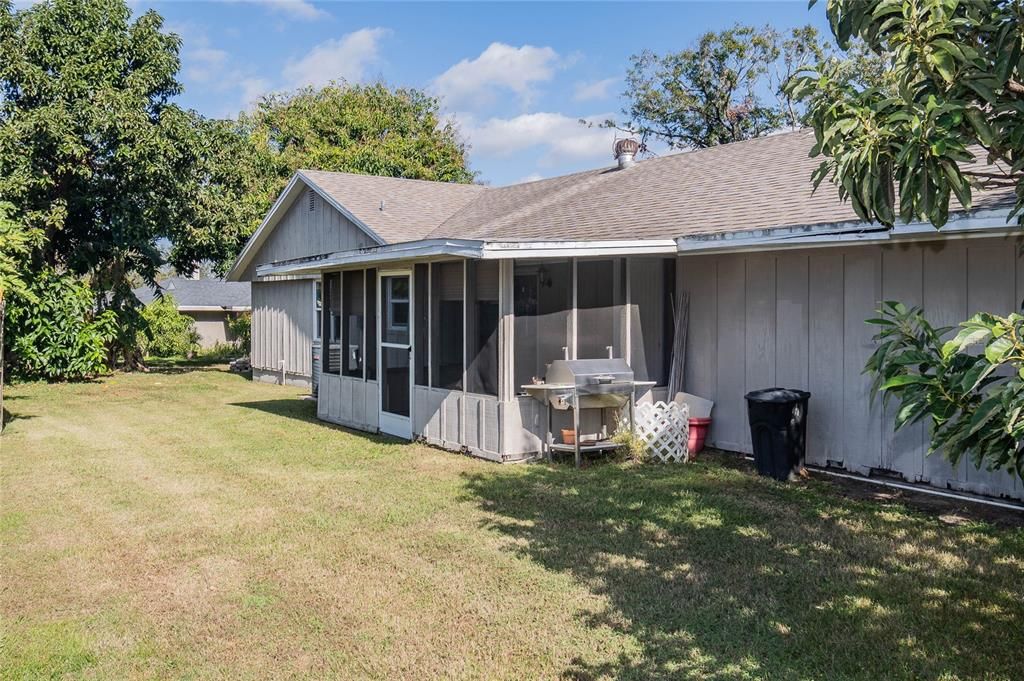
(585, 384)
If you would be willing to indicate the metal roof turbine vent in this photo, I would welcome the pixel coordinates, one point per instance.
(625, 152)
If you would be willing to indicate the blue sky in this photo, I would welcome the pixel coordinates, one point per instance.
(515, 76)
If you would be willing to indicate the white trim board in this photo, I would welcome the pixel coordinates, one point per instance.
(985, 223)
(468, 248)
(214, 308)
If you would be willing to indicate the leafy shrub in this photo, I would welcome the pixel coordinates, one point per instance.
(240, 327)
(60, 334)
(220, 351)
(169, 333)
(631, 446)
(968, 387)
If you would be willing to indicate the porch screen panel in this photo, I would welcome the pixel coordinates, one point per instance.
(371, 324)
(600, 302)
(482, 326)
(422, 306)
(652, 293)
(542, 300)
(352, 319)
(332, 322)
(447, 327)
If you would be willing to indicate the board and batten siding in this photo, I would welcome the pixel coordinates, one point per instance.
(796, 319)
(310, 226)
(283, 322)
(282, 326)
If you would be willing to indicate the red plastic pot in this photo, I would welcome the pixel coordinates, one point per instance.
(698, 433)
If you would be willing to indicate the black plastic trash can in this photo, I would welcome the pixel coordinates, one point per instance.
(778, 430)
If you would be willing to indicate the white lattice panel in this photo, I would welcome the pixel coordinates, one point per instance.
(665, 428)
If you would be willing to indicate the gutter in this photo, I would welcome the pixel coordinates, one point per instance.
(468, 248)
(374, 254)
(964, 225)
(213, 308)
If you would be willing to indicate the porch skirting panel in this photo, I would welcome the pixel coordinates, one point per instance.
(350, 402)
(459, 421)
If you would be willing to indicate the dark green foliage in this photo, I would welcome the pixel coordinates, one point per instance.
(970, 388)
(711, 93)
(168, 332)
(57, 334)
(240, 327)
(897, 152)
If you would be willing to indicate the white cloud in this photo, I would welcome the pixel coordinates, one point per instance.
(562, 138)
(252, 90)
(532, 177)
(345, 58)
(294, 9)
(205, 63)
(598, 89)
(473, 82)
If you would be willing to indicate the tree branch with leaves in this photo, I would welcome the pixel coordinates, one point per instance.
(905, 154)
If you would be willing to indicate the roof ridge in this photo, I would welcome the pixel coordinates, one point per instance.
(392, 177)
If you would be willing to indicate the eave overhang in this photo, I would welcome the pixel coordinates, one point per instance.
(991, 222)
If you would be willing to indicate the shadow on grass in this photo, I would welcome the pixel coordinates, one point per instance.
(183, 366)
(305, 410)
(716, 573)
(7, 416)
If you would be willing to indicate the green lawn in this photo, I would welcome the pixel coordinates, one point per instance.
(191, 524)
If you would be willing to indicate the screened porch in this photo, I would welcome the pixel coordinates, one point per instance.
(441, 349)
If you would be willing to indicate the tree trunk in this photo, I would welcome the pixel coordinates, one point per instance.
(3, 305)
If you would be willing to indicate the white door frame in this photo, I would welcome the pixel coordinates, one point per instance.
(394, 424)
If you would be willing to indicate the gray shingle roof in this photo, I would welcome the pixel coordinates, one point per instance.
(412, 208)
(762, 183)
(200, 292)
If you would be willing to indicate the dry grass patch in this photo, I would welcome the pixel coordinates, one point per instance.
(192, 524)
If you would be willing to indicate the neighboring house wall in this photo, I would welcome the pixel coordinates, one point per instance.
(283, 320)
(211, 326)
(796, 319)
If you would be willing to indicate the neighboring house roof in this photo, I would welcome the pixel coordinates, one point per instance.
(758, 184)
(201, 294)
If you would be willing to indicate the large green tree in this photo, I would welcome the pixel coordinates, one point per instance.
(899, 153)
(727, 87)
(119, 181)
(93, 151)
(92, 148)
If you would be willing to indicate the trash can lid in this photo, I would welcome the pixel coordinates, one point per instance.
(778, 395)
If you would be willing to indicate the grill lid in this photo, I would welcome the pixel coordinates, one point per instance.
(589, 371)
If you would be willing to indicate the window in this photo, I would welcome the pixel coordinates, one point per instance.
(652, 292)
(396, 310)
(371, 324)
(352, 323)
(318, 310)
(332, 322)
(542, 298)
(422, 307)
(446, 328)
(600, 300)
(482, 281)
